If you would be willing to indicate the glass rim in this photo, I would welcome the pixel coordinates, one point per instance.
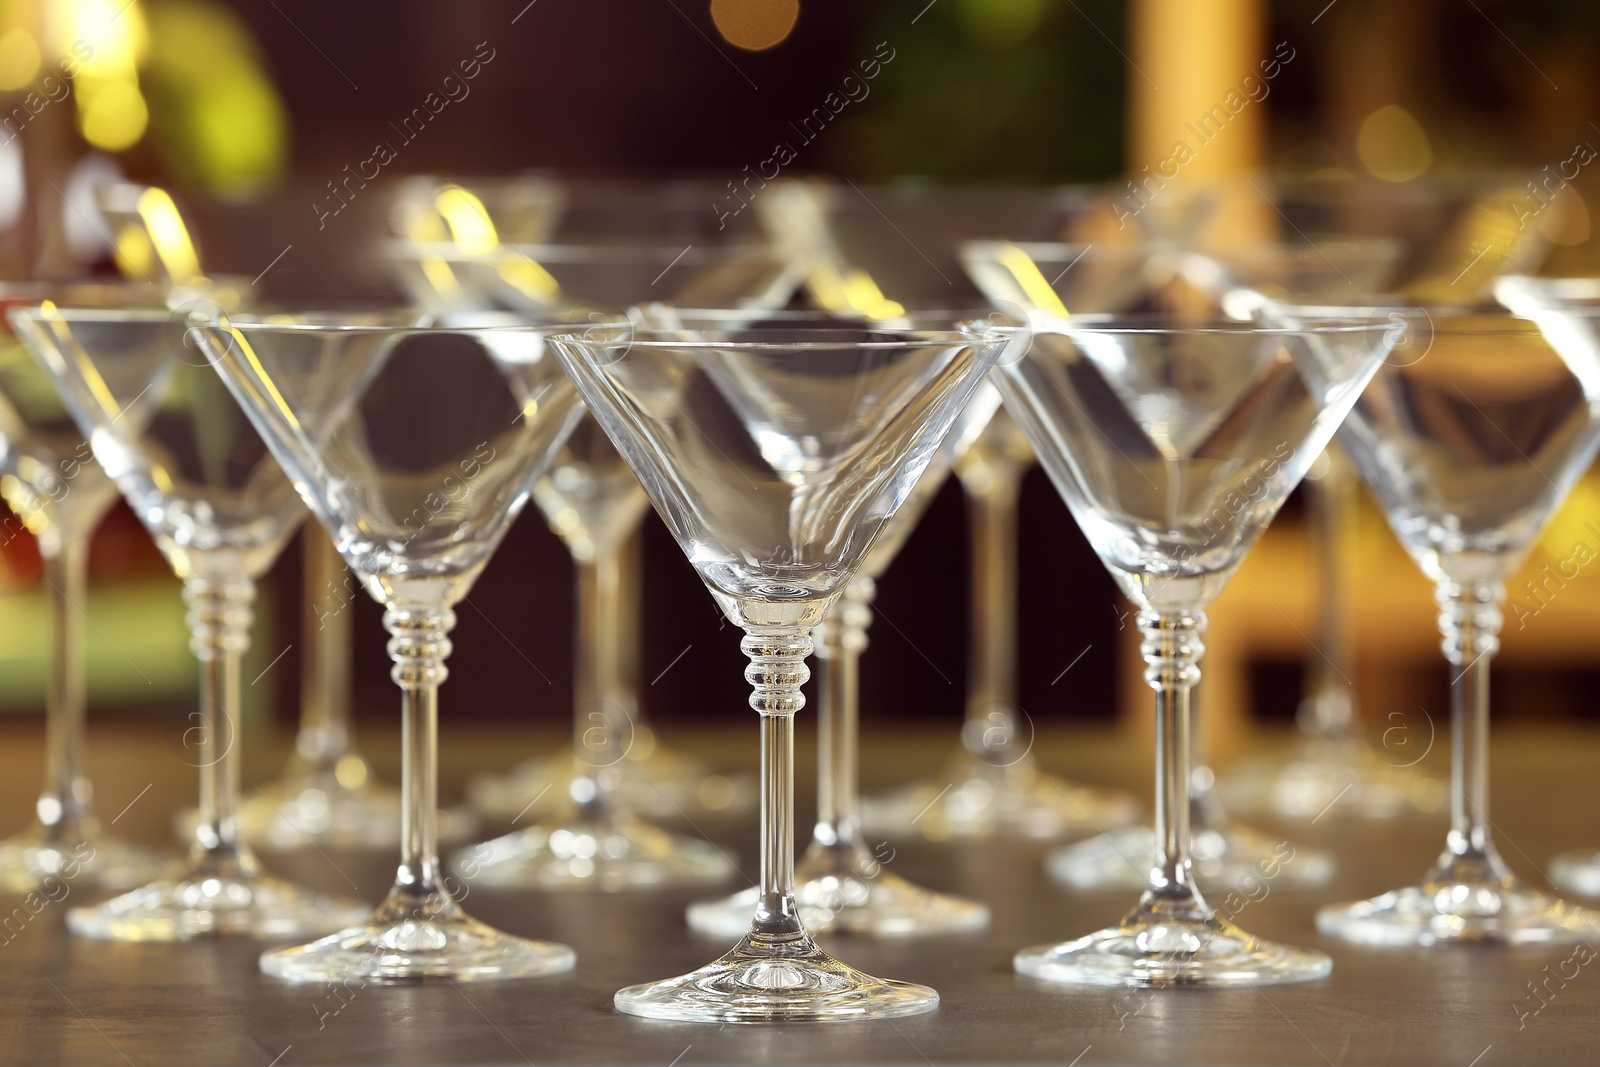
(899, 339)
(1055, 251)
(1504, 320)
(582, 252)
(136, 314)
(1120, 325)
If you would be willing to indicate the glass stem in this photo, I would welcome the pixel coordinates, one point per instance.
(324, 734)
(776, 672)
(64, 804)
(1469, 619)
(219, 619)
(600, 720)
(841, 639)
(629, 622)
(1172, 650)
(419, 643)
(992, 693)
(1328, 712)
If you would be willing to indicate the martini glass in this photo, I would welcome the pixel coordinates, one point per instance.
(776, 515)
(1577, 871)
(1044, 277)
(415, 448)
(220, 510)
(1470, 448)
(594, 503)
(49, 478)
(840, 884)
(1174, 442)
(327, 795)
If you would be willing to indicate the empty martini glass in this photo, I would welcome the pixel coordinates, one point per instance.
(840, 883)
(415, 448)
(776, 515)
(1174, 442)
(196, 473)
(49, 478)
(327, 795)
(1044, 277)
(1470, 444)
(594, 503)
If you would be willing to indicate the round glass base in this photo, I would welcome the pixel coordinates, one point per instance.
(609, 855)
(1339, 778)
(94, 863)
(294, 814)
(661, 785)
(1144, 950)
(214, 898)
(980, 800)
(761, 982)
(412, 939)
(1462, 900)
(1577, 872)
(1232, 857)
(845, 890)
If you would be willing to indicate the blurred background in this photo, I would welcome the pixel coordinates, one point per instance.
(285, 99)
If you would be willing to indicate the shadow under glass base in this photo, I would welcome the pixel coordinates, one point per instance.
(1577, 872)
(764, 979)
(661, 785)
(610, 855)
(982, 800)
(1158, 945)
(845, 890)
(214, 897)
(409, 939)
(1339, 778)
(90, 861)
(1232, 857)
(1462, 900)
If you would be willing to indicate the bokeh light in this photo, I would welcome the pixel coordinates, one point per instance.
(755, 24)
(1392, 145)
(19, 59)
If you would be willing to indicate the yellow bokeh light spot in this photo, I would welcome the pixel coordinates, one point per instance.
(1392, 145)
(351, 771)
(115, 117)
(19, 59)
(468, 220)
(133, 253)
(117, 37)
(530, 279)
(169, 235)
(755, 25)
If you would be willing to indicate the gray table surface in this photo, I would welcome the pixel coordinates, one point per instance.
(69, 1001)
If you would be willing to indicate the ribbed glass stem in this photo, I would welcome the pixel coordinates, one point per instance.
(776, 672)
(64, 804)
(841, 639)
(1172, 650)
(325, 733)
(219, 626)
(419, 644)
(1469, 620)
(992, 691)
(599, 720)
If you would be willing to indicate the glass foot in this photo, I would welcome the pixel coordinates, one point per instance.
(1462, 900)
(214, 898)
(776, 980)
(609, 855)
(662, 785)
(301, 815)
(1577, 872)
(1157, 945)
(409, 939)
(1233, 857)
(1336, 777)
(982, 800)
(97, 862)
(844, 890)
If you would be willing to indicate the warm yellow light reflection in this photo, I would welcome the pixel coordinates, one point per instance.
(169, 234)
(1026, 272)
(755, 24)
(1392, 145)
(19, 59)
(530, 279)
(468, 220)
(115, 116)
